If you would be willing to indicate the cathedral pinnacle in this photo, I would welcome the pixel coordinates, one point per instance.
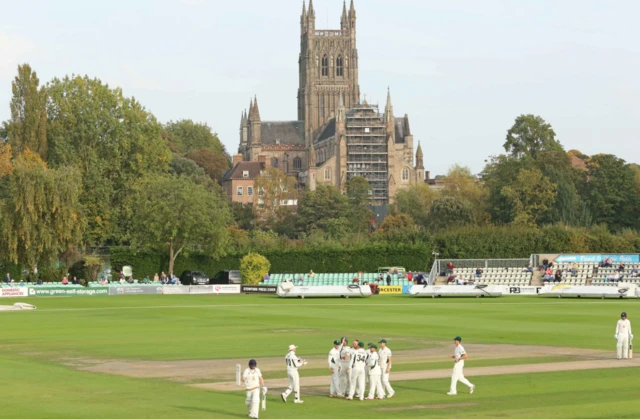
(303, 17)
(344, 20)
(312, 13)
(352, 11)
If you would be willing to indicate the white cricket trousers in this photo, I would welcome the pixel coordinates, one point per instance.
(343, 380)
(357, 380)
(385, 383)
(294, 384)
(335, 381)
(375, 386)
(253, 402)
(458, 376)
(623, 346)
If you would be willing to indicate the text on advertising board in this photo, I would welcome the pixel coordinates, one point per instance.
(390, 290)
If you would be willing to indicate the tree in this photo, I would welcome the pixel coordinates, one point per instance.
(610, 191)
(460, 183)
(6, 168)
(450, 211)
(416, 201)
(502, 171)
(174, 214)
(113, 141)
(27, 128)
(272, 187)
(185, 136)
(253, 267)
(398, 225)
(320, 208)
(529, 136)
(41, 215)
(213, 164)
(530, 196)
(93, 266)
(359, 190)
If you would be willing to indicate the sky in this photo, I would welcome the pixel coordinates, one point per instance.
(462, 70)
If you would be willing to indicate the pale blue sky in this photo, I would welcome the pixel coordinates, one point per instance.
(462, 69)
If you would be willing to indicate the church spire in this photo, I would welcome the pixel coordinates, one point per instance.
(312, 13)
(303, 17)
(419, 157)
(344, 20)
(255, 113)
(341, 116)
(388, 109)
(352, 11)
(251, 109)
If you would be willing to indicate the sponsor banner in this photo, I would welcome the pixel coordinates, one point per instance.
(175, 289)
(51, 291)
(259, 289)
(14, 292)
(201, 289)
(596, 258)
(526, 290)
(456, 291)
(326, 291)
(406, 289)
(226, 289)
(384, 289)
(622, 290)
(135, 290)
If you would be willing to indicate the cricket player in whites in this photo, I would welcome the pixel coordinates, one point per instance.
(385, 366)
(345, 363)
(293, 363)
(334, 367)
(459, 355)
(623, 334)
(253, 381)
(358, 363)
(373, 365)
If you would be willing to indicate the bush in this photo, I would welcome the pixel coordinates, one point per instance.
(253, 267)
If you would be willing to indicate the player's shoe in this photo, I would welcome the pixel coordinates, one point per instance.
(391, 395)
(452, 394)
(349, 398)
(380, 398)
(298, 401)
(369, 398)
(471, 389)
(284, 398)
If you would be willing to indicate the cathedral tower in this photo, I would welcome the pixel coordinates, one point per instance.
(328, 69)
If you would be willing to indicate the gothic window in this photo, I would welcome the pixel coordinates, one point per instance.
(405, 174)
(297, 163)
(325, 65)
(339, 66)
(327, 174)
(274, 162)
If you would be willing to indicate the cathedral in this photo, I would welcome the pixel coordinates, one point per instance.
(337, 136)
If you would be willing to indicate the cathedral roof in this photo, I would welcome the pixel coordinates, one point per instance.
(328, 131)
(282, 132)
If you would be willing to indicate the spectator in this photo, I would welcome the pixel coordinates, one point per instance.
(614, 277)
(266, 278)
(156, 278)
(146, 280)
(450, 268)
(621, 267)
(409, 276)
(419, 279)
(574, 269)
(529, 268)
(7, 278)
(388, 278)
(356, 280)
(607, 263)
(558, 276)
(65, 281)
(380, 278)
(121, 276)
(301, 279)
(163, 278)
(548, 275)
(130, 280)
(39, 282)
(311, 274)
(634, 273)
(479, 272)
(75, 281)
(545, 264)
(452, 278)
(395, 271)
(22, 283)
(122, 280)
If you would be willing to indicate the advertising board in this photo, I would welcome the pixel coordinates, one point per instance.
(14, 292)
(259, 289)
(596, 258)
(386, 290)
(226, 289)
(59, 291)
(175, 290)
(133, 290)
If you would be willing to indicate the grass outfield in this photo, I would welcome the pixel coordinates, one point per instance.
(36, 346)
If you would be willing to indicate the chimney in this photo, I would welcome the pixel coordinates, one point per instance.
(427, 175)
(237, 158)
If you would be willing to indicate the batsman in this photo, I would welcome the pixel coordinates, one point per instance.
(624, 336)
(253, 381)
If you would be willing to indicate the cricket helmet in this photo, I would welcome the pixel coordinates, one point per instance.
(253, 363)
(624, 314)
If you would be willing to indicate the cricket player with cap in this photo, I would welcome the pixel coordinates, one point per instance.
(345, 364)
(293, 363)
(459, 355)
(623, 334)
(373, 365)
(385, 366)
(334, 367)
(358, 364)
(253, 381)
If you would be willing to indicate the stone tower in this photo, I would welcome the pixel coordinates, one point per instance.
(328, 69)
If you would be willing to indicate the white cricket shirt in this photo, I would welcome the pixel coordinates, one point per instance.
(359, 359)
(251, 378)
(384, 354)
(458, 352)
(292, 360)
(623, 327)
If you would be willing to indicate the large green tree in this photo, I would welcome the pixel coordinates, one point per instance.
(41, 216)
(174, 214)
(27, 128)
(185, 136)
(531, 196)
(416, 201)
(450, 211)
(609, 188)
(212, 163)
(324, 209)
(272, 187)
(112, 140)
(461, 184)
(530, 135)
